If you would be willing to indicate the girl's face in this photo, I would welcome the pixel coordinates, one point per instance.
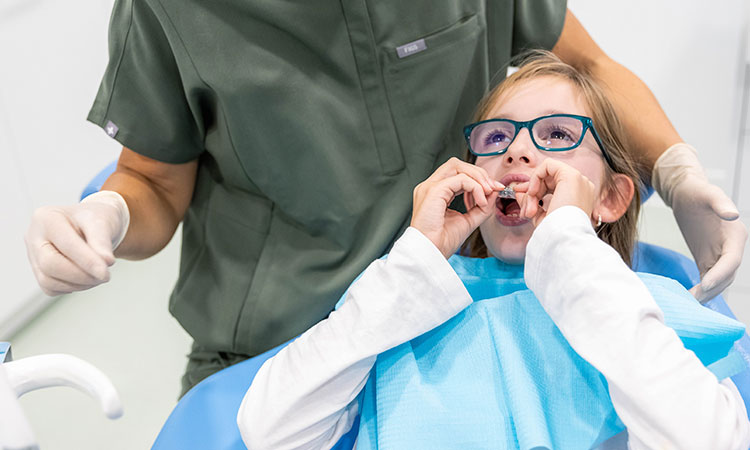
(505, 233)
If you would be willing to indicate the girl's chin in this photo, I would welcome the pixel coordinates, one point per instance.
(509, 244)
(511, 251)
(511, 258)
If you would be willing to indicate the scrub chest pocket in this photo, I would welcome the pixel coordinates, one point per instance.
(433, 92)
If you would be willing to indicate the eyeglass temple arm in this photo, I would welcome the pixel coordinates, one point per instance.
(601, 146)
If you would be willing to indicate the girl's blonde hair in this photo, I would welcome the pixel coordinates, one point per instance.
(621, 234)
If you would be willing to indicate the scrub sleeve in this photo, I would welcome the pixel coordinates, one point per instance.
(312, 123)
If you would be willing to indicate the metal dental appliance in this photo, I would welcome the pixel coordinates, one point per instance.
(508, 192)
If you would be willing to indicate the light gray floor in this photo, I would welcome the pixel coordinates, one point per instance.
(124, 329)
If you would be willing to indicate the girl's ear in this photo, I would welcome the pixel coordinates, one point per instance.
(615, 201)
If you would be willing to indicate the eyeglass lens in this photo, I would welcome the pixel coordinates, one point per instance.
(550, 133)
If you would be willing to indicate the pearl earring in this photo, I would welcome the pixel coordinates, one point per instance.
(599, 221)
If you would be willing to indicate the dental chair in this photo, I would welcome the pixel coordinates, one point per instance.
(39, 372)
(206, 417)
(95, 185)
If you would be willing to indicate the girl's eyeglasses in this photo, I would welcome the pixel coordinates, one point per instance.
(553, 133)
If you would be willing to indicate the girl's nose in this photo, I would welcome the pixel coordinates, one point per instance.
(521, 150)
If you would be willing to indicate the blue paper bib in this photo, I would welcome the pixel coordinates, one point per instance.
(500, 375)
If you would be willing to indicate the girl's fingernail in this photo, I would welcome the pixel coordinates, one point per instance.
(499, 185)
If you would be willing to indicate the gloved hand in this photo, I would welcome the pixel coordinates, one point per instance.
(71, 247)
(708, 219)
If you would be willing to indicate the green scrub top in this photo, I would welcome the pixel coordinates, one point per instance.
(312, 122)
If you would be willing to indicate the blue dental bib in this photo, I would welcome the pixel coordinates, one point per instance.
(500, 375)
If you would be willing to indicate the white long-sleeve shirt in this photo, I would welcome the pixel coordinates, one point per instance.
(306, 397)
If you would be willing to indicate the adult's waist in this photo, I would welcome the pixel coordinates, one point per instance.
(251, 277)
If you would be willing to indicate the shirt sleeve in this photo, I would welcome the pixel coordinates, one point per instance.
(306, 396)
(537, 24)
(662, 392)
(142, 101)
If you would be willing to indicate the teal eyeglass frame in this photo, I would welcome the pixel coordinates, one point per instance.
(587, 123)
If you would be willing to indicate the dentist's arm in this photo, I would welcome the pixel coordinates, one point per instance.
(157, 194)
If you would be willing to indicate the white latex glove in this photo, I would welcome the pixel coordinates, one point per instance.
(708, 219)
(70, 248)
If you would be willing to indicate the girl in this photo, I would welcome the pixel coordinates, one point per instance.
(466, 356)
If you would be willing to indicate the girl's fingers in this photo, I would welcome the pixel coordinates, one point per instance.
(542, 179)
(528, 204)
(545, 202)
(547, 178)
(455, 166)
(548, 175)
(478, 194)
(533, 186)
(446, 190)
(522, 200)
(476, 216)
(469, 202)
(539, 208)
(462, 183)
(521, 187)
(531, 205)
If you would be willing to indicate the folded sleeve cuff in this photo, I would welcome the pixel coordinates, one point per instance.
(550, 239)
(437, 270)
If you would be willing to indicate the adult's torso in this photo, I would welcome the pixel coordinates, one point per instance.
(315, 133)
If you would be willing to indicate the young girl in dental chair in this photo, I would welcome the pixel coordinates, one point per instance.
(543, 337)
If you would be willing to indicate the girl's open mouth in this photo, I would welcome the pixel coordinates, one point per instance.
(508, 212)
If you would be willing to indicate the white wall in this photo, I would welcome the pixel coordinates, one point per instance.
(742, 186)
(52, 57)
(691, 54)
(742, 183)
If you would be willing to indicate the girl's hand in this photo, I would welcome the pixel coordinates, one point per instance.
(554, 184)
(446, 228)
